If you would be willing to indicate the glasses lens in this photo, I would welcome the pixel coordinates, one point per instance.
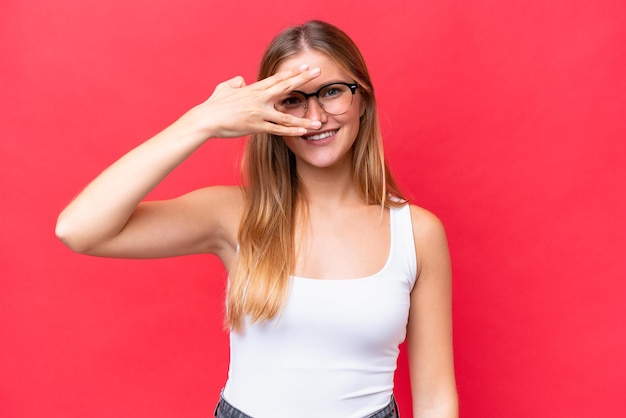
(335, 99)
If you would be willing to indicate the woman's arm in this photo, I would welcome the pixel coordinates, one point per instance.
(108, 219)
(429, 339)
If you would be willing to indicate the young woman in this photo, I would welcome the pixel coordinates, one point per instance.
(329, 267)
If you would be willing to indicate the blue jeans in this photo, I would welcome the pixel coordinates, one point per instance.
(226, 410)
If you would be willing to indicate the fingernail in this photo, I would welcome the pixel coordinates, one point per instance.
(315, 71)
(301, 131)
(304, 67)
(316, 124)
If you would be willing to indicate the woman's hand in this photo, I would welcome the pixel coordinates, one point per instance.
(236, 109)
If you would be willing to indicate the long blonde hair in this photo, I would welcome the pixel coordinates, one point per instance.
(259, 280)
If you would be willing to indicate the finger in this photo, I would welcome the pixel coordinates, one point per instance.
(288, 121)
(287, 86)
(288, 80)
(281, 75)
(236, 82)
(280, 130)
(233, 83)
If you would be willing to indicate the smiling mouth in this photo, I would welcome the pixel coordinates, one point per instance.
(320, 136)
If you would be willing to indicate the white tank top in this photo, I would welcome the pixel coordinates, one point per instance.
(333, 350)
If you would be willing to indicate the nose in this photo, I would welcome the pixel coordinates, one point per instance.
(315, 111)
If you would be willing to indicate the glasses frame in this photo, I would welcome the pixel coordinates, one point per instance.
(352, 86)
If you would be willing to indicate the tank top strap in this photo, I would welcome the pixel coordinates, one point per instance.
(403, 242)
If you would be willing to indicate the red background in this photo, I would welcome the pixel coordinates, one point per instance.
(504, 118)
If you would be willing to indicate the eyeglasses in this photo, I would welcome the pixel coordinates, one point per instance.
(334, 98)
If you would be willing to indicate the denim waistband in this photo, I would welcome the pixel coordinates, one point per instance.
(226, 410)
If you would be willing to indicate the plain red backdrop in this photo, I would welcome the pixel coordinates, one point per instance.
(506, 119)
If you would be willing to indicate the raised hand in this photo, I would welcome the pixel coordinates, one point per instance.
(236, 109)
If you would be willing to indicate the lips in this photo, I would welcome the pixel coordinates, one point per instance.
(320, 136)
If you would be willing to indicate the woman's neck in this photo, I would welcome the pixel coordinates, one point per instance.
(328, 187)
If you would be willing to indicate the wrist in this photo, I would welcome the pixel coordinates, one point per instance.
(197, 123)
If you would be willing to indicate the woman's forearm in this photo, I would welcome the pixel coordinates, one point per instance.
(444, 409)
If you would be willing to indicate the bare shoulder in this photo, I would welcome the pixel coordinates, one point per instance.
(427, 227)
(431, 243)
(220, 205)
(205, 220)
(219, 196)
(219, 209)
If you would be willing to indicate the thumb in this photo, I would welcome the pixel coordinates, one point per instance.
(236, 82)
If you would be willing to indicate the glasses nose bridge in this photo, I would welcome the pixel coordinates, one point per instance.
(308, 96)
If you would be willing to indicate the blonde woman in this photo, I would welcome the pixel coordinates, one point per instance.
(329, 267)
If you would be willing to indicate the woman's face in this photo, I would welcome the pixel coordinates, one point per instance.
(331, 144)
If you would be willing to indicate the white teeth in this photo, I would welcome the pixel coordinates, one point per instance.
(320, 136)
